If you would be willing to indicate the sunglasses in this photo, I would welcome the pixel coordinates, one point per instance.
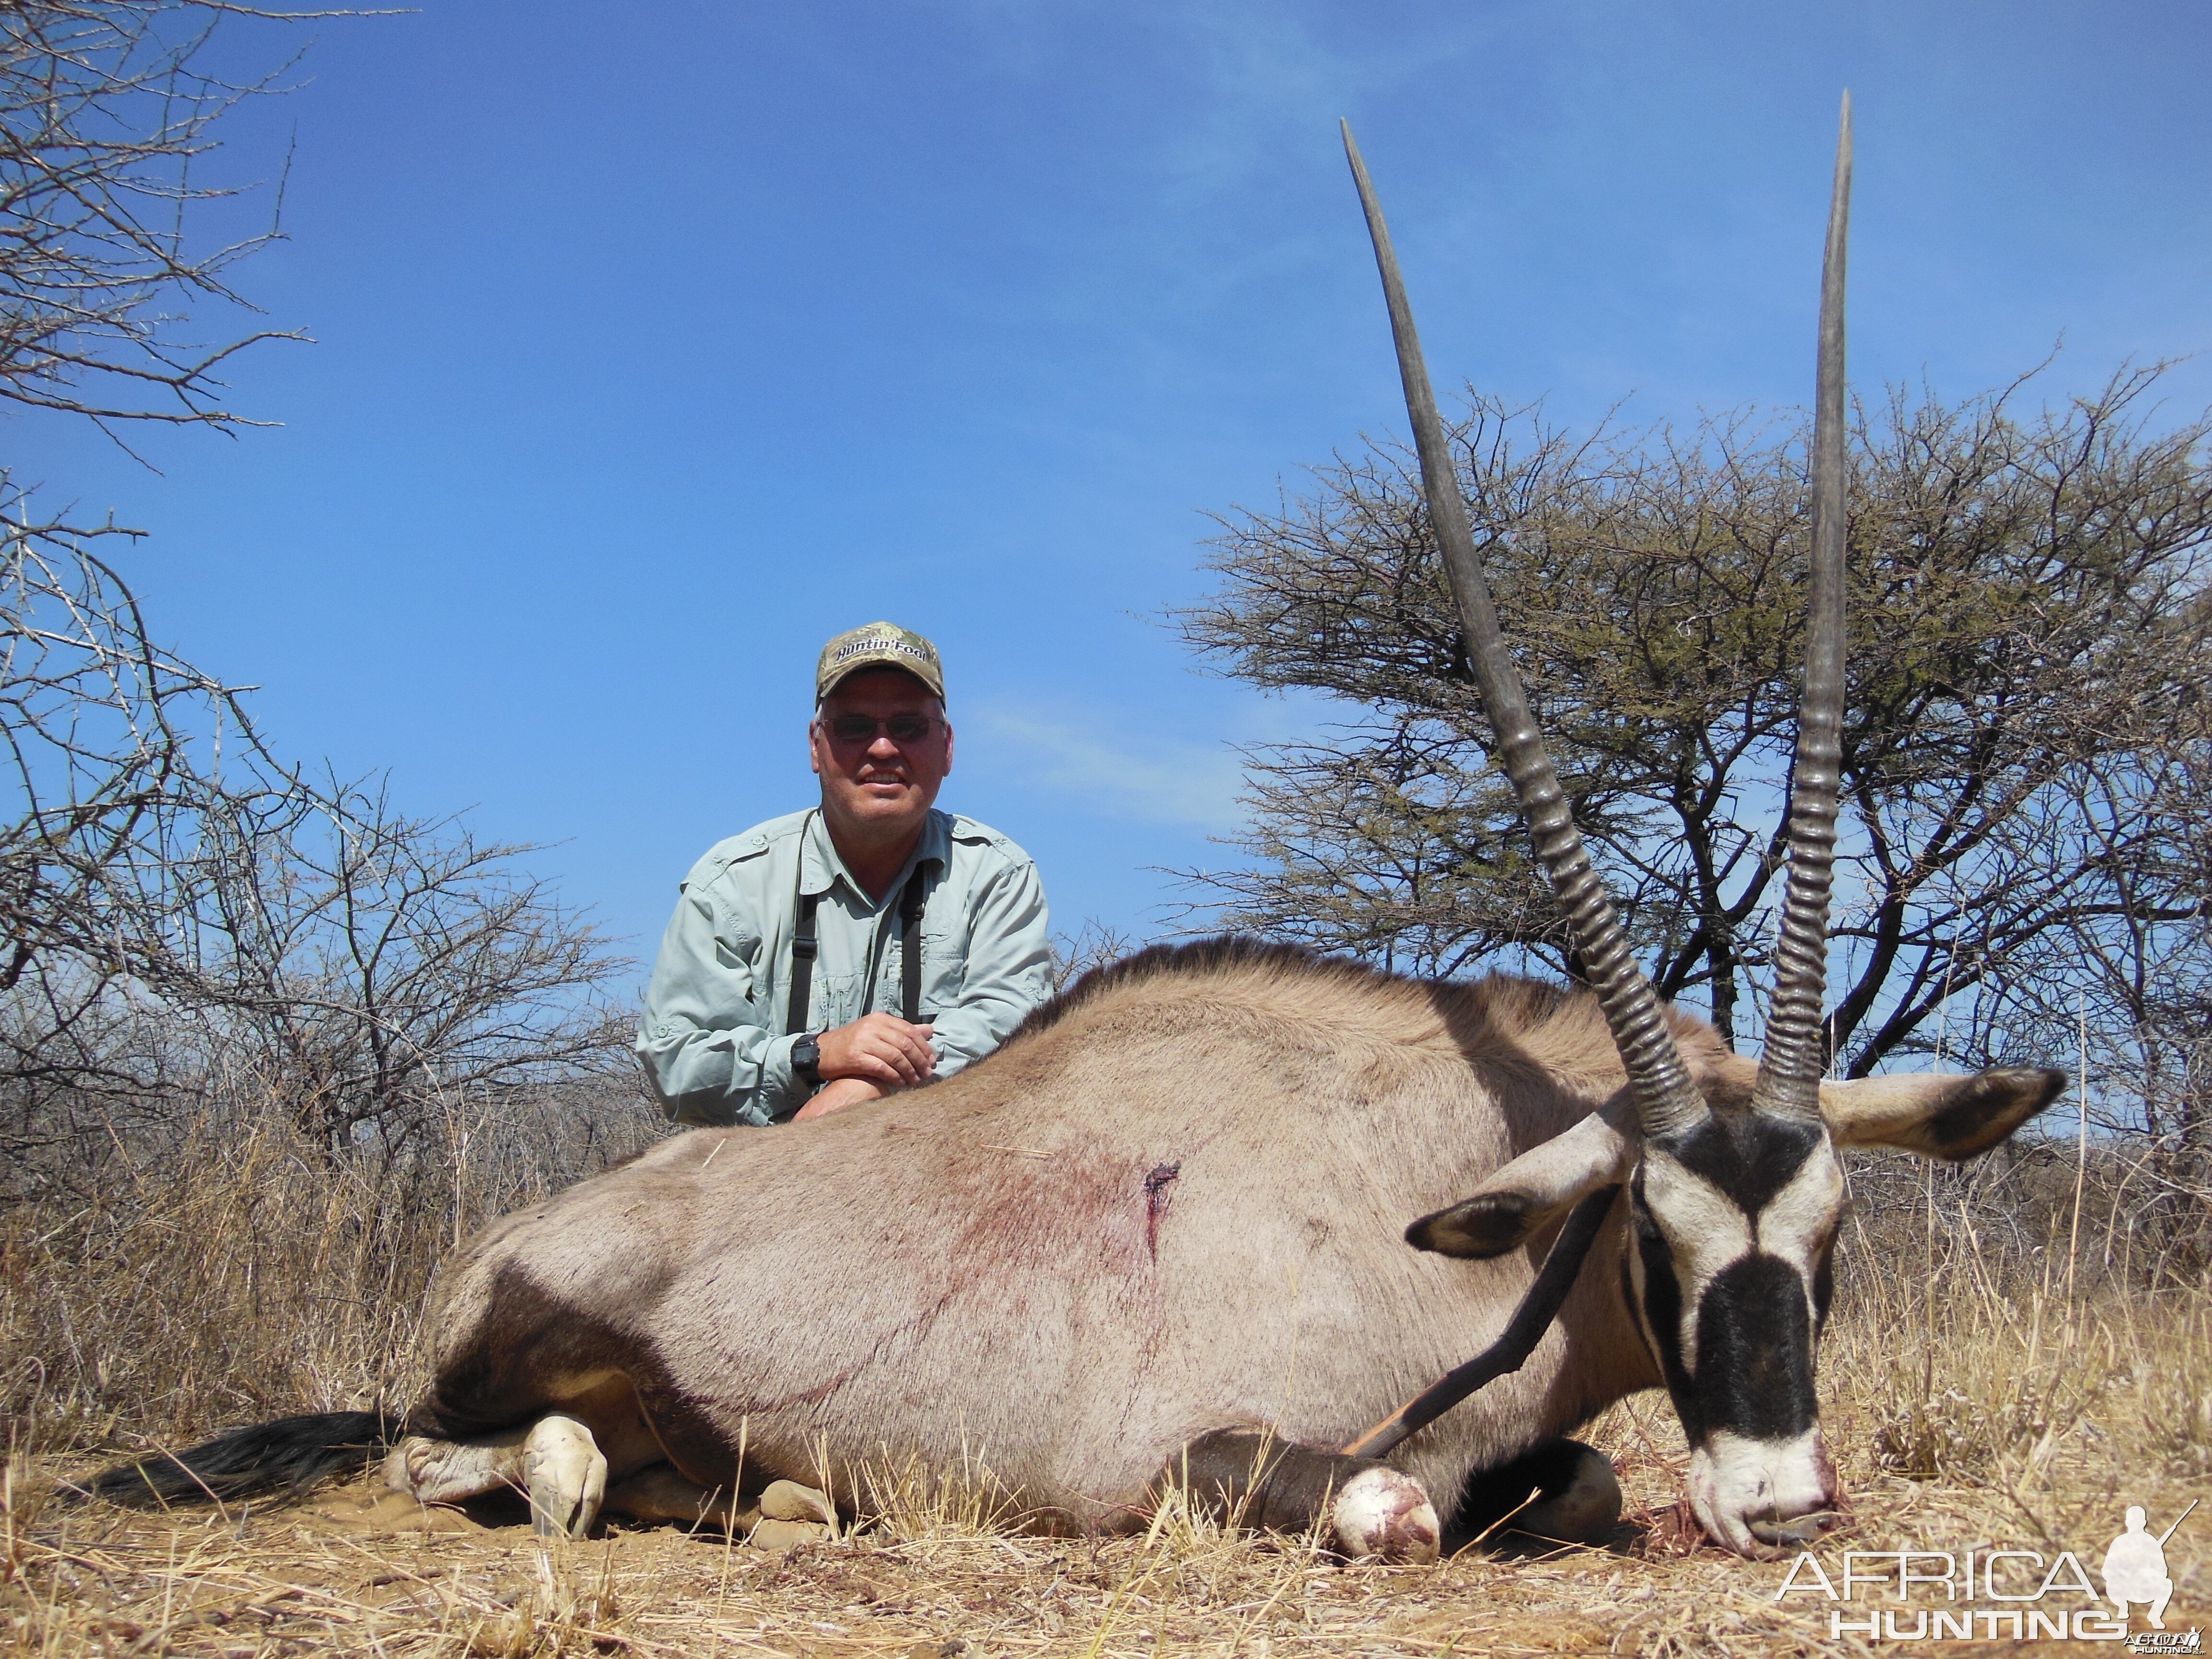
(901, 728)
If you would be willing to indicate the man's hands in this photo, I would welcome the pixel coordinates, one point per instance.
(868, 1059)
(879, 1048)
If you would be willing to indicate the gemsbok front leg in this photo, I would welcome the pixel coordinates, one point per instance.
(1562, 1493)
(1373, 1511)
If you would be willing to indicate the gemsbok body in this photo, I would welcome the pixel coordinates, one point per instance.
(1163, 1233)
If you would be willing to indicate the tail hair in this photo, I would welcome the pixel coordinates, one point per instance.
(285, 1457)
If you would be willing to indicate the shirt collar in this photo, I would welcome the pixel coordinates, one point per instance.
(821, 868)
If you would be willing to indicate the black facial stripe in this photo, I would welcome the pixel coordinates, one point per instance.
(1628, 1296)
(1663, 1310)
(1748, 1156)
(1824, 1283)
(1755, 1352)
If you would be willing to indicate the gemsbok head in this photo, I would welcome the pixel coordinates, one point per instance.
(1735, 1188)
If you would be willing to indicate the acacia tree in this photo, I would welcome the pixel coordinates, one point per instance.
(2025, 745)
(179, 905)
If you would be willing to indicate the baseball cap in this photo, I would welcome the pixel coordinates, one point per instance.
(878, 644)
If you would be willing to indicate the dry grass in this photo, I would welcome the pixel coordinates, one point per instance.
(233, 1273)
(1999, 1372)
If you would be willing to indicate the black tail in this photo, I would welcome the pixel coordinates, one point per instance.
(286, 1457)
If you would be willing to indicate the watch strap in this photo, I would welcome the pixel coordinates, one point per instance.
(806, 1058)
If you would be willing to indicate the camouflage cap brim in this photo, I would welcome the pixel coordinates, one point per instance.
(878, 645)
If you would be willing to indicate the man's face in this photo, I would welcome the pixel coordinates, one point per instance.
(873, 781)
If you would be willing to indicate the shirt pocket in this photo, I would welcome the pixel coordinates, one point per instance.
(838, 998)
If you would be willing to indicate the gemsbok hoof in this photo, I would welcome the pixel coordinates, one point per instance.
(1383, 1516)
(565, 1475)
(787, 1500)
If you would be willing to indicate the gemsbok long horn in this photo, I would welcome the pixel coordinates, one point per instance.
(1665, 1100)
(1793, 1057)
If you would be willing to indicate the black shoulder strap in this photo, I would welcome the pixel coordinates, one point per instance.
(802, 941)
(911, 907)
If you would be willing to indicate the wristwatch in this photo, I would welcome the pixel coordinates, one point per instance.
(807, 1060)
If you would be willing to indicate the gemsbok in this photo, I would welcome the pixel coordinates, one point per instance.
(1161, 1235)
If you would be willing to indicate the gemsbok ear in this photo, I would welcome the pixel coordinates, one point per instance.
(1946, 1117)
(1536, 1188)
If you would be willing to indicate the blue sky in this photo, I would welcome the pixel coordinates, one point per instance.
(657, 343)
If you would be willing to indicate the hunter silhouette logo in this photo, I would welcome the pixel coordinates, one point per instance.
(1995, 1595)
(2135, 1565)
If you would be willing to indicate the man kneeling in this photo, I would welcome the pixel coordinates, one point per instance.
(792, 944)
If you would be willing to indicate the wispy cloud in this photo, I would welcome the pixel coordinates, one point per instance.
(1152, 781)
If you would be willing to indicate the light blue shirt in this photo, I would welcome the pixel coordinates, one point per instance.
(715, 1037)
